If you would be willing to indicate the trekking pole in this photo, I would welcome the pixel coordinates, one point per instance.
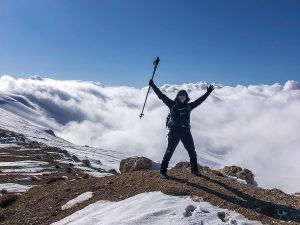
(155, 63)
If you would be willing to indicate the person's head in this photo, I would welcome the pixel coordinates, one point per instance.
(182, 96)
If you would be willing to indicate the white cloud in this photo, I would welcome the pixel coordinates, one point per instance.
(252, 126)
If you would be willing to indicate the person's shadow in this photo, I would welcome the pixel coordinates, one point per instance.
(276, 211)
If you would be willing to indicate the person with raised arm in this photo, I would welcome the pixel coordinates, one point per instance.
(178, 123)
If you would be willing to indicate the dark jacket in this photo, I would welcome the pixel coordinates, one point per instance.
(180, 112)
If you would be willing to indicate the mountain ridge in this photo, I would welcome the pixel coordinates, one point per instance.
(42, 203)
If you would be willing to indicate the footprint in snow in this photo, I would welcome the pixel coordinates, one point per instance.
(189, 210)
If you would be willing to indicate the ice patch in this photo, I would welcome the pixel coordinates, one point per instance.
(9, 146)
(27, 170)
(237, 179)
(29, 173)
(26, 163)
(11, 187)
(81, 198)
(25, 179)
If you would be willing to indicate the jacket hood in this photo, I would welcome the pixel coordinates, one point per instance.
(180, 92)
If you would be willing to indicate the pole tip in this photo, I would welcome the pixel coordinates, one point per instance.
(141, 115)
(156, 61)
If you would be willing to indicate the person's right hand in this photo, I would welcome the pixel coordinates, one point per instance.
(210, 88)
(151, 83)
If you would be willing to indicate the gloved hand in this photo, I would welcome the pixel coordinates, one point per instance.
(151, 83)
(210, 88)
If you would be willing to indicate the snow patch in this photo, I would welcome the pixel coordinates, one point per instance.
(11, 187)
(26, 163)
(81, 198)
(27, 170)
(154, 208)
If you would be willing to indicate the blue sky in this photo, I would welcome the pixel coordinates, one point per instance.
(114, 42)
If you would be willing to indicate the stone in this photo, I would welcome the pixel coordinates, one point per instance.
(86, 163)
(231, 170)
(182, 165)
(135, 164)
(239, 173)
(113, 171)
(75, 158)
(186, 165)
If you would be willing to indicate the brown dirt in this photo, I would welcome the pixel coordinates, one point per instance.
(41, 205)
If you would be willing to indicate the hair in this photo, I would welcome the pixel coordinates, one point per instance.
(185, 92)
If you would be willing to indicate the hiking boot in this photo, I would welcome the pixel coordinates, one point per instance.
(163, 175)
(196, 173)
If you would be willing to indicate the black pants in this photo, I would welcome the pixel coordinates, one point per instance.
(175, 135)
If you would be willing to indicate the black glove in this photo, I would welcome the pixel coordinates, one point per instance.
(210, 88)
(151, 83)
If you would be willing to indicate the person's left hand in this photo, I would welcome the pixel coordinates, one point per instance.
(210, 88)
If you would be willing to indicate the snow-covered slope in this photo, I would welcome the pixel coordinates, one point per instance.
(155, 208)
(99, 158)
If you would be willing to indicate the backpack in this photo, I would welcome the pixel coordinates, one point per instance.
(169, 121)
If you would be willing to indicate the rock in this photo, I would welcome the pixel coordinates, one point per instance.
(51, 132)
(222, 216)
(239, 173)
(182, 165)
(56, 178)
(246, 175)
(218, 173)
(186, 165)
(25, 179)
(64, 152)
(86, 176)
(86, 163)
(113, 171)
(75, 158)
(4, 191)
(64, 178)
(206, 169)
(189, 210)
(8, 199)
(70, 170)
(231, 170)
(2, 216)
(135, 164)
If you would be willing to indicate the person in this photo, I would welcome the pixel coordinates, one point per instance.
(178, 123)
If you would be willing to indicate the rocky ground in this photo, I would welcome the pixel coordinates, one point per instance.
(41, 204)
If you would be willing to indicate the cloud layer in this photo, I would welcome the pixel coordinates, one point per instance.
(254, 126)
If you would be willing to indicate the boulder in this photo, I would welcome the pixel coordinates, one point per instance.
(231, 170)
(135, 164)
(246, 175)
(239, 173)
(297, 194)
(186, 165)
(182, 165)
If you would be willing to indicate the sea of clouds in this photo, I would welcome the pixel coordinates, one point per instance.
(256, 126)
